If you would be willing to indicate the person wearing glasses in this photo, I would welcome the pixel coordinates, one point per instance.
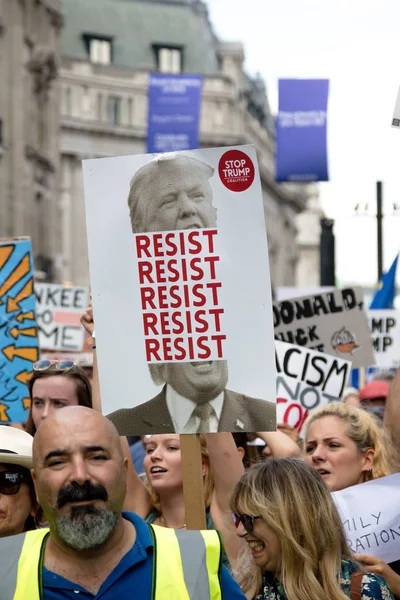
(54, 385)
(296, 544)
(18, 504)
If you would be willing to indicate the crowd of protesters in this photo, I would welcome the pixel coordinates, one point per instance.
(78, 503)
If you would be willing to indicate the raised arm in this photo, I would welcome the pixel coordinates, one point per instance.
(392, 411)
(279, 444)
(137, 498)
(227, 468)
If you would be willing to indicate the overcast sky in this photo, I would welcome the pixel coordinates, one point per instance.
(355, 44)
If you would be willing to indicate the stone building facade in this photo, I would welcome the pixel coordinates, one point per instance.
(29, 128)
(109, 47)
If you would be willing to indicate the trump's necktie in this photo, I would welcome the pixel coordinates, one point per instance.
(204, 413)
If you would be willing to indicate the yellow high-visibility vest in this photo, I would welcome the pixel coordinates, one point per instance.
(186, 565)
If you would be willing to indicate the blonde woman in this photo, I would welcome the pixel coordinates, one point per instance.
(348, 446)
(297, 544)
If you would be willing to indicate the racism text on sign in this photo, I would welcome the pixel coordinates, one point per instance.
(306, 380)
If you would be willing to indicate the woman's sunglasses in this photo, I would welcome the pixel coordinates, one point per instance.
(10, 482)
(60, 365)
(246, 520)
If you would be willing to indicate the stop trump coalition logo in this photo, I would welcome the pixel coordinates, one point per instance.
(236, 170)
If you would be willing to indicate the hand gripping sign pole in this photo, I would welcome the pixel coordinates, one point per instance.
(193, 491)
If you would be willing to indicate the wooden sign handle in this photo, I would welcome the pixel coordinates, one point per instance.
(193, 489)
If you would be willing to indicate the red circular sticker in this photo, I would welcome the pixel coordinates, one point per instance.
(236, 170)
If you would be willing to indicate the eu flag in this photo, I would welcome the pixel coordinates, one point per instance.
(384, 297)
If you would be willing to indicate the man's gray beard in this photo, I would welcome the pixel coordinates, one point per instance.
(86, 528)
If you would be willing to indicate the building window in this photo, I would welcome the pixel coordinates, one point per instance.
(114, 110)
(99, 49)
(169, 60)
(99, 107)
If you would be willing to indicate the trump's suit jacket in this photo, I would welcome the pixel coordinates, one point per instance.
(239, 413)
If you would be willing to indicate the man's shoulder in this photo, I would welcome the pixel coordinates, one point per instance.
(249, 402)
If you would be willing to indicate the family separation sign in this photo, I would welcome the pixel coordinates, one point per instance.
(58, 312)
(171, 267)
(306, 380)
(385, 332)
(333, 323)
(18, 331)
(371, 517)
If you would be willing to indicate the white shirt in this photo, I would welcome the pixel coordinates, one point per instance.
(181, 409)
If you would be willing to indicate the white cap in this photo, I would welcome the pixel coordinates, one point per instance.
(15, 447)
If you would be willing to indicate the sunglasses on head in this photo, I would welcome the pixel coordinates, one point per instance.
(60, 365)
(246, 520)
(10, 482)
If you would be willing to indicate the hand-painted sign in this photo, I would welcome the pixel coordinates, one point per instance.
(385, 331)
(58, 312)
(18, 332)
(371, 517)
(306, 380)
(331, 322)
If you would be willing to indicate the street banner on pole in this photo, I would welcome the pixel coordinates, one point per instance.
(171, 273)
(174, 103)
(301, 130)
(306, 380)
(330, 322)
(18, 331)
(58, 312)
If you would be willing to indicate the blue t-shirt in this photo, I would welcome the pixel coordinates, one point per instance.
(131, 578)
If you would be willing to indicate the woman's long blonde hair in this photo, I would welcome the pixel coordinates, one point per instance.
(294, 501)
(208, 481)
(366, 432)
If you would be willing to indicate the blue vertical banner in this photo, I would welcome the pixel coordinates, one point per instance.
(301, 130)
(174, 103)
(18, 331)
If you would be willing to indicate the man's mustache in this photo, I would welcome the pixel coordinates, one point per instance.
(81, 493)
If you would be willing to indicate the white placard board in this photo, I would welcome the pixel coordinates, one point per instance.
(371, 517)
(58, 312)
(330, 322)
(202, 209)
(306, 380)
(385, 332)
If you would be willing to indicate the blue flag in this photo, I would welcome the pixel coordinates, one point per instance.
(384, 297)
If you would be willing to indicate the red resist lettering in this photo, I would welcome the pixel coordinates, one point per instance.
(184, 348)
(179, 296)
(150, 245)
(177, 322)
(161, 271)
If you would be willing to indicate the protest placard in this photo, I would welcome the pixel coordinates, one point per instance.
(331, 322)
(171, 273)
(385, 331)
(306, 380)
(58, 312)
(371, 517)
(396, 112)
(18, 331)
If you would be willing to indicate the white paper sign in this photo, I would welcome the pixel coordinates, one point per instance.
(58, 312)
(371, 517)
(330, 322)
(385, 331)
(306, 380)
(181, 289)
(396, 112)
